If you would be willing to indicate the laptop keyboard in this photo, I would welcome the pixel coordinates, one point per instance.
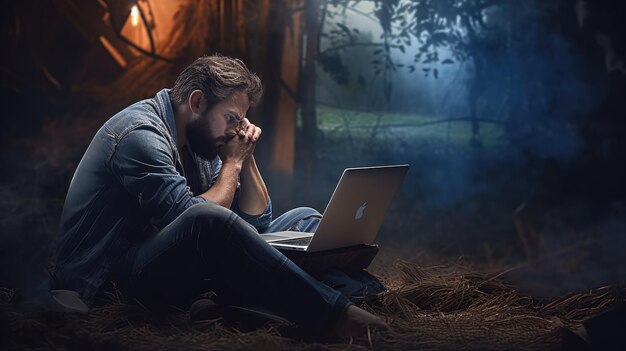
(295, 241)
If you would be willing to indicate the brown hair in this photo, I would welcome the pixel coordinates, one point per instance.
(217, 77)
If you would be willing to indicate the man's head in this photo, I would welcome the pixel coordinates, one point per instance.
(215, 92)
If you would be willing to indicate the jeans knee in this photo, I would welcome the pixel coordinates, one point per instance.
(207, 214)
(304, 212)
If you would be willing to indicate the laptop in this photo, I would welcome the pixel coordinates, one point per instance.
(354, 214)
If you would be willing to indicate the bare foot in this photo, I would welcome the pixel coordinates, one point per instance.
(357, 321)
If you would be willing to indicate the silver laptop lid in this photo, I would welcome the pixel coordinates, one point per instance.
(358, 206)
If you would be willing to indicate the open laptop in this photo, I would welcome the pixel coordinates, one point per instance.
(354, 213)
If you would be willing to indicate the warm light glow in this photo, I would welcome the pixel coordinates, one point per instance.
(134, 16)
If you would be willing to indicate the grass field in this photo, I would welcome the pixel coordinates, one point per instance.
(411, 128)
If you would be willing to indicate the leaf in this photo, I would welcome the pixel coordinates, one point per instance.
(440, 38)
(376, 52)
(344, 28)
(411, 68)
(447, 61)
(436, 73)
(333, 65)
(401, 47)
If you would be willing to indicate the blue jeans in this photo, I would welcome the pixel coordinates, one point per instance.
(301, 219)
(210, 247)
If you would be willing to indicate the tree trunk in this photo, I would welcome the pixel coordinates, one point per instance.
(274, 48)
(477, 80)
(307, 143)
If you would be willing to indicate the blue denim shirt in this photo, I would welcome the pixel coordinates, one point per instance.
(130, 183)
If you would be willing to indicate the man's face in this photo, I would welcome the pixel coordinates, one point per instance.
(208, 132)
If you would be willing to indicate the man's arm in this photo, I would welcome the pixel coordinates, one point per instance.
(145, 167)
(253, 196)
(234, 156)
(223, 190)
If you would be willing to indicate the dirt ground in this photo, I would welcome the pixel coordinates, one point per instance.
(430, 305)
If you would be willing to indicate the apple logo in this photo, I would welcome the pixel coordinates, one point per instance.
(360, 212)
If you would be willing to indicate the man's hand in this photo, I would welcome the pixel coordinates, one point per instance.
(249, 130)
(254, 197)
(239, 165)
(242, 143)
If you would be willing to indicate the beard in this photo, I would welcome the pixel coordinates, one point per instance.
(200, 140)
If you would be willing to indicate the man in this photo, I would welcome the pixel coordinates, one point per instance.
(168, 202)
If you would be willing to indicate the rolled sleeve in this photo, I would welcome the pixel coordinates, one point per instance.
(144, 163)
(260, 222)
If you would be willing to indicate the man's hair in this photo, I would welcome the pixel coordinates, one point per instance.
(217, 77)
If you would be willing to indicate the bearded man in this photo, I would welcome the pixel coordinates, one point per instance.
(168, 202)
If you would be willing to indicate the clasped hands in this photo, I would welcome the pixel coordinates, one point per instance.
(241, 142)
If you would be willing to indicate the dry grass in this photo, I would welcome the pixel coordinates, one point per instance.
(429, 308)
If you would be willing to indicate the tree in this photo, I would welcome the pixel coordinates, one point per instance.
(456, 25)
